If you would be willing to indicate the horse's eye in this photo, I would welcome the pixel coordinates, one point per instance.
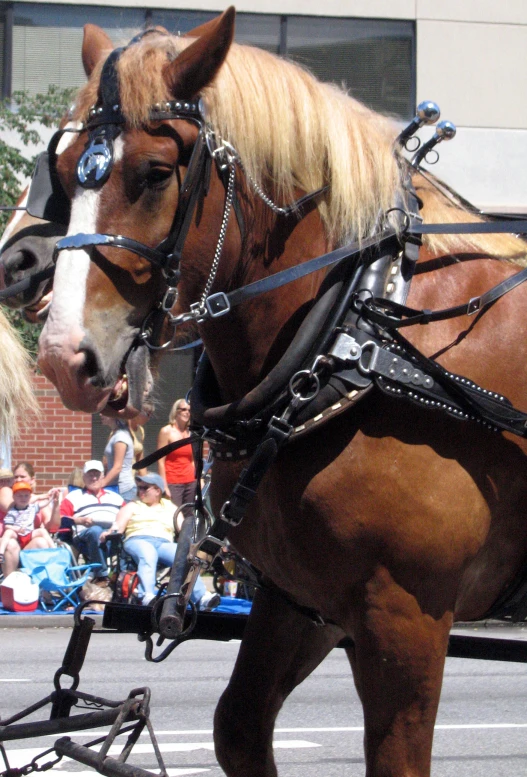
(158, 175)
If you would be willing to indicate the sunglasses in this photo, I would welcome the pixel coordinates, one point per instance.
(143, 487)
(183, 409)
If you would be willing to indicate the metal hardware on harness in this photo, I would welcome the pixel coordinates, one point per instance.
(445, 130)
(300, 378)
(170, 298)
(95, 164)
(346, 348)
(383, 362)
(229, 196)
(427, 113)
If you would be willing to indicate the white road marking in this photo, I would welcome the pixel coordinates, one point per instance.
(328, 729)
(170, 772)
(18, 758)
(15, 680)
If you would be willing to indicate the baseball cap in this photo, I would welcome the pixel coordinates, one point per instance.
(21, 485)
(93, 464)
(151, 479)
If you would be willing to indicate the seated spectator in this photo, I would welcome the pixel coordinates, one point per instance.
(92, 509)
(25, 524)
(148, 528)
(25, 472)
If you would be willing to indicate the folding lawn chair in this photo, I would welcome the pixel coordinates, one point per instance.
(52, 569)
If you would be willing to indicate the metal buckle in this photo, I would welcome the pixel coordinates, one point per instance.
(474, 306)
(169, 299)
(217, 304)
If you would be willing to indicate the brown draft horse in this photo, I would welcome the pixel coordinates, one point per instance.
(391, 520)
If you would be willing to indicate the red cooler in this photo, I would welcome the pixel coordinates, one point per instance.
(18, 593)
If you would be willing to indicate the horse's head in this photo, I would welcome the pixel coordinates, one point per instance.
(27, 247)
(136, 170)
(28, 242)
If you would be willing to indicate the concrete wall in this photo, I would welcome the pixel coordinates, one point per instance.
(472, 60)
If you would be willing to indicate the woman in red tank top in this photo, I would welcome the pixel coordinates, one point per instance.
(178, 469)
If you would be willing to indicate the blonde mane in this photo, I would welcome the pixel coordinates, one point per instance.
(17, 401)
(294, 132)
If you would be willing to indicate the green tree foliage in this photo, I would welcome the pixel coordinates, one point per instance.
(25, 115)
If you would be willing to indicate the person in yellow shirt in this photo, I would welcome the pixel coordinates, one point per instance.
(148, 528)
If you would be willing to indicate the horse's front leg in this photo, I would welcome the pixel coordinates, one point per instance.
(280, 648)
(397, 660)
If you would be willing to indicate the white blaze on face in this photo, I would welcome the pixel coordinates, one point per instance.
(18, 215)
(71, 274)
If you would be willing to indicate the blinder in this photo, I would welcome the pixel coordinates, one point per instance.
(47, 199)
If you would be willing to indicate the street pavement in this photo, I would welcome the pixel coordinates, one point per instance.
(481, 728)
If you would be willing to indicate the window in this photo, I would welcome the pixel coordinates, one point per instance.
(47, 42)
(373, 59)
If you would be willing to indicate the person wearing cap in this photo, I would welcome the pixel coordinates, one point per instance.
(148, 528)
(22, 522)
(91, 510)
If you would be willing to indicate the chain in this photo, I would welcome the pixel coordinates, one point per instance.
(259, 191)
(229, 198)
(33, 766)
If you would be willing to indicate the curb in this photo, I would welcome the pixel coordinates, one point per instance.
(51, 621)
(65, 621)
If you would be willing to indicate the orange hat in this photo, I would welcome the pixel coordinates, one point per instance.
(21, 485)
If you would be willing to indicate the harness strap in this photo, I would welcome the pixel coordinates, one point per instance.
(375, 306)
(165, 450)
(494, 408)
(27, 283)
(234, 509)
(81, 240)
(220, 303)
(512, 226)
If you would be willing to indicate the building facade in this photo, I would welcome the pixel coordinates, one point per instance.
(470, 56)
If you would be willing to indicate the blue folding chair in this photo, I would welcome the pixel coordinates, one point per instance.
(52, 569)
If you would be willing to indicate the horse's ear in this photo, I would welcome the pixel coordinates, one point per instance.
(96, 44)
(197, 65)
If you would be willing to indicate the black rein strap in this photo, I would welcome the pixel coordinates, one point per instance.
(165, 450)
(377, 305)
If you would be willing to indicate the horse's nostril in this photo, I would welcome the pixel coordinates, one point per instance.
(91, 367)
(20, 262)
(23, 260)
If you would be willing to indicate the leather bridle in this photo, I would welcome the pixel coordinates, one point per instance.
(104, 125)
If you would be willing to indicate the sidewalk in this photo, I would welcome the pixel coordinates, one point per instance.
(41, 619)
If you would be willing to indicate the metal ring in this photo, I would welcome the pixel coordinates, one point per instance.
(406, 216)
(58, 675)
(368, 346)
(296, 394)
(432, 157)
(412, 140)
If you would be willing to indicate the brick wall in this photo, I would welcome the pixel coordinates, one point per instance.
(59, 442)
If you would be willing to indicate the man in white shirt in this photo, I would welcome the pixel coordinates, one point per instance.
(92, 510)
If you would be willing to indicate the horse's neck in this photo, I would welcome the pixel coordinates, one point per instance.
(246, 344)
